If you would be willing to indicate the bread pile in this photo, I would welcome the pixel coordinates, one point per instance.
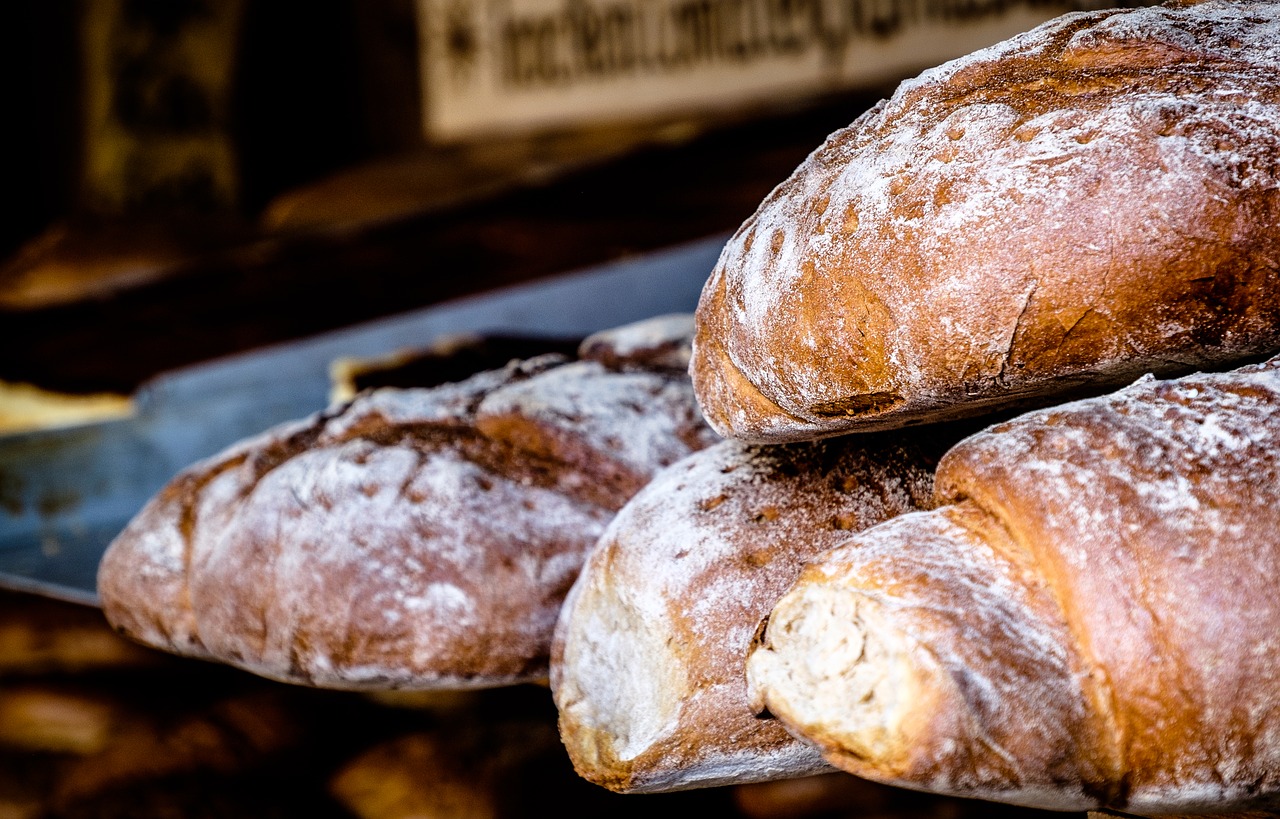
(647, 659)
(1076, 612)
(1088, 620)
(886, 569)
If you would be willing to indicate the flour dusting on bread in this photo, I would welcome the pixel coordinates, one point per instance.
(648, 658)
(416, 538)
(1088, 622)
(1078, 205)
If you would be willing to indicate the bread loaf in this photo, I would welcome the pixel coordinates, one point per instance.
(411, 539)
(1057, 214)
(648, 657)
(1089, 621)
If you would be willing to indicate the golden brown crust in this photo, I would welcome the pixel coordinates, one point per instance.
(1129, 542)
(411, 539)
(1081, 204)
(1152, 514)
(647, 662)
(931, 663)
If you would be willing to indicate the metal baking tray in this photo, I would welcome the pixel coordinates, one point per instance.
(65, 493)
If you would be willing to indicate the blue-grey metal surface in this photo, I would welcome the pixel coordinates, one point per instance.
(65, 493)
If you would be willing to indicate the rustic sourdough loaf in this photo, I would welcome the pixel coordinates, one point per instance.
(1062, 212)
(1090, 620)
(648, 658)
(412, 538)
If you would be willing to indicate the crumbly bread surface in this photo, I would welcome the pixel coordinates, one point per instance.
(648, 656)
(409, 539)
(1090, 621)
(1057, 214)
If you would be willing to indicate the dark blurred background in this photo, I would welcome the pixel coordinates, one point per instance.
(225, 175)
(217, 175)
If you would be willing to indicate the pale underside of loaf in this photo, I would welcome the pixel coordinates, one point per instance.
(1050, 217)
(648, 657)
(1089, 622)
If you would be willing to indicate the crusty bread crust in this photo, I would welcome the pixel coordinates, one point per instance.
(1091, 620)
(1057, 214)
(648, 656)
(411, 539)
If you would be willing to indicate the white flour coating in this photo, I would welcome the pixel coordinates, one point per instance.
(1178, 446)
(651, 643)
(635, 418)
(915, 654)
(673, 331)
(1118, 551)
(612, 637)
(453, 402)
(388, 543)
(877, 213)
(1156, 509)
(150, 569)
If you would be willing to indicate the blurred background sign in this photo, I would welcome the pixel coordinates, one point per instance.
(490, 65)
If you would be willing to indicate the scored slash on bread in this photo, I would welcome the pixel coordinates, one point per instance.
(409, 539)
(1090, 621)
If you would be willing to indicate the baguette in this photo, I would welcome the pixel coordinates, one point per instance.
(1088, 621)
(1047, 218)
